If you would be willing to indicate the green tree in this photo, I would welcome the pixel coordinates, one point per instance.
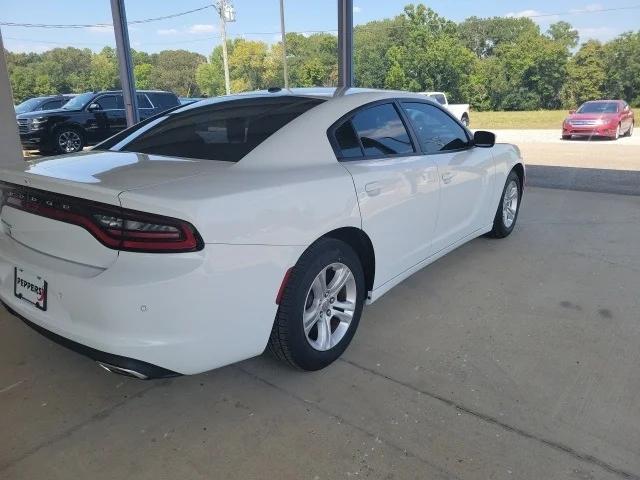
(175, 71)
(564, 33)
(586, 75)
(622, 64)
(104, 70)
(143, 74)
(247, 62)
(483, 35)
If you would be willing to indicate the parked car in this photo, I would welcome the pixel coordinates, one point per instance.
(37, 104)
(201, 237)
(459, 110)
(86, 120)
(188, 100)
(599, 118)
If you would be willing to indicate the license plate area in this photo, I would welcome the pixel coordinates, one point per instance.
(30, 287)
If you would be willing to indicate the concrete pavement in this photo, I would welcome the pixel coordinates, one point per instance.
(507, 359)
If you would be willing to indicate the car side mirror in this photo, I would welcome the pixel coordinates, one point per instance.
(93, 107)
(484, 139)
(571, 112)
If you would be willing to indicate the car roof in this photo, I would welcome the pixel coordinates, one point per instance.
(322, 93)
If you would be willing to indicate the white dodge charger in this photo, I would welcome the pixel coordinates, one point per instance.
(200, 237)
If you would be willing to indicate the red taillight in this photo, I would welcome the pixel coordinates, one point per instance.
(114, 227)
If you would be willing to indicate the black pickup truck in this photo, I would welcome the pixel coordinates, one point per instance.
(86, 119)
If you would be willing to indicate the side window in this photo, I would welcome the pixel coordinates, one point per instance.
(436, 131)
(381, 131)
(51, 105)
(348, 141)
(143, 101)
(108, 102)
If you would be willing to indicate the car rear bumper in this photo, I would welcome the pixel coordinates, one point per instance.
(181, 313)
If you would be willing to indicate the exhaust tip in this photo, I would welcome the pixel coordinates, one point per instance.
(122, 371)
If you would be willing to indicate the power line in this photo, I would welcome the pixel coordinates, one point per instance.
(579, 12)
(244, 34)
(102, 25)
(204, 7)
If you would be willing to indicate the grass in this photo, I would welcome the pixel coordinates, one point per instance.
(532, 119)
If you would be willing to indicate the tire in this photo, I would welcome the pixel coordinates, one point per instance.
(501, 226)
(566, 137)
(465, 120)
(630, 131)
(617, 134)
(68, 140)
(306, 349)
(46, 151)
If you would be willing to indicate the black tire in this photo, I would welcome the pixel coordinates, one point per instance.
(566, 137)
(288, 340)
(500, 230)
(465, 120)
(70, 132)
(630, 131)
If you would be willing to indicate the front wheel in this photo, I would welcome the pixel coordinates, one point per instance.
(321, 306)
(617, 134)
(630, 131)
(465, 120)
(68, 140)
(508, 208)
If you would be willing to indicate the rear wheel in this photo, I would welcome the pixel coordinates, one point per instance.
(465, 120)
(68, 140)
(508, 208)
(566, 137)
(630, 131)
(321, 306)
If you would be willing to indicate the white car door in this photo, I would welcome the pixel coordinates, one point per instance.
(466, 173)
(397, 187)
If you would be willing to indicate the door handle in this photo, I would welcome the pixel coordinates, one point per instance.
(373, 188)
(447, 177)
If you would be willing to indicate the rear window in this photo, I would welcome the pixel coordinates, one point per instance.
(143, 101)
(224, 131)
(163, 100)
(381, 131)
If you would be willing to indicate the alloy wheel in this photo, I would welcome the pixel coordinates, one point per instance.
(510, 203)
(329, 306)
(69, 141)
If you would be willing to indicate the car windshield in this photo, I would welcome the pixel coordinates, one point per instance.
(77, 103)
(223, 131)
(27, 105)
(598, 107)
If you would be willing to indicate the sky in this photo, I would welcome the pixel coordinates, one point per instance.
(260, 20)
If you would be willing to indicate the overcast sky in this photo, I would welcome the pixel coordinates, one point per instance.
(259, 19)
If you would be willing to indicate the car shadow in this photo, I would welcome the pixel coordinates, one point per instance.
(623, 182)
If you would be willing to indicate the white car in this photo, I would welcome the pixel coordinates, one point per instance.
(201, 236)
(458, 110)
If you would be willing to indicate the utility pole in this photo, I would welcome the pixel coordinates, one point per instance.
(345, 43)
(227, 14)
(284, 46)
(127, 80)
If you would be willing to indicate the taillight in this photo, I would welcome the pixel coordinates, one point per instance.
(114, 227)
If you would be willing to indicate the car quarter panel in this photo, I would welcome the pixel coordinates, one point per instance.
(281, 206)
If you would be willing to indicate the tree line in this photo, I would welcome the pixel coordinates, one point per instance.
(497, 63)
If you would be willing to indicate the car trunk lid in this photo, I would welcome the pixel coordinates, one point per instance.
(34, 194)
